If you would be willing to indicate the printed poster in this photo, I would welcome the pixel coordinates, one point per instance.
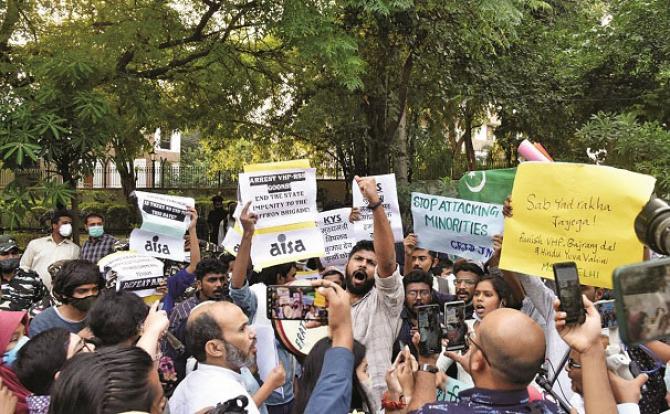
(459, 227)
(338, 236)
(231, 242)
(387, 190)
(277, 245)
(157, 245)
(279, 196)
(134, 272)
(578, 213)
(164, 214)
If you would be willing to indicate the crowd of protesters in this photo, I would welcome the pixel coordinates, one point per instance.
(72, 344)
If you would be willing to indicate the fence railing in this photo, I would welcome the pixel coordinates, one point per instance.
(145, 177)
(195, 177)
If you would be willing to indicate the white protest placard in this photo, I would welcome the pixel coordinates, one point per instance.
(460, 227)
(280, 197)
(267, 357)
(285, 244)
(164, 214)
(134, 272)
(388, 194)
(157, 245)
(231, 243)
(338, 236)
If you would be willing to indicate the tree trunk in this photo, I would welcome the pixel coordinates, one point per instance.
(127, 174)
(467, 139)
(401, 161)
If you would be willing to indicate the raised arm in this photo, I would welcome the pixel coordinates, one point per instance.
(409, 245)
(193, 241)
(332, 393)
(585, 339)
(383, 235)
(248, 221)
(494, 270)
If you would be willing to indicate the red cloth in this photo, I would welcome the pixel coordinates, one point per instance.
(9, 321)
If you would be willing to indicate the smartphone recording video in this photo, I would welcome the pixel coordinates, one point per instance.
(607, 312)
(430, 330)
(455, 326)
(569, 292)
(296, 303)
(642, 294)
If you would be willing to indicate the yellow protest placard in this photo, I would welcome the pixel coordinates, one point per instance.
(574, 213)
(275, 166)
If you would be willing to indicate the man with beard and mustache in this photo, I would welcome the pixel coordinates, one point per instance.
(223, 343)
(467, 276)
(211, 284)
(253, 300)
(375, 290)
(76, 286)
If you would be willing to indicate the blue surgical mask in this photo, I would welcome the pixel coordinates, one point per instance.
(10, 356)
(96, 231)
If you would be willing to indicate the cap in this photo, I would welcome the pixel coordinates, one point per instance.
(7, 243)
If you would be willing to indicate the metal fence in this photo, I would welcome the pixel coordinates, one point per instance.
(145, 177)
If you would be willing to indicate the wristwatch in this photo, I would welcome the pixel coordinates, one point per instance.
(428, 368)
(373, 206)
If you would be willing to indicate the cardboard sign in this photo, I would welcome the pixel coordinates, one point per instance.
(388, 194)
(574, 213)
(157, 245)
(460, 227)
(164, 214)
(277, 245)
(338, 236)
(134, 272)
(279, 196)
(231, 243)
(267, 357)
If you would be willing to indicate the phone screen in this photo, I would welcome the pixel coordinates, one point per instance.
(430, 329)
(296, 303)
(454, 322)
(643, 294)
(607, 312)
(569, 291)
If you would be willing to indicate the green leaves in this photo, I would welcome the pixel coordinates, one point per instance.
(18, 152)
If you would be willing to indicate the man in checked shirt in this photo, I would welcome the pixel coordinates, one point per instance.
(99, 243)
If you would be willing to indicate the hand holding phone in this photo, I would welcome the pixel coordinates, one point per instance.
(579, 337)
(569, 291)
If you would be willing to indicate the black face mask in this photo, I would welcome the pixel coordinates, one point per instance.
(82, 304)
(9, 265)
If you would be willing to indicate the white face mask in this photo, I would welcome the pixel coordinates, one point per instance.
(65, 230)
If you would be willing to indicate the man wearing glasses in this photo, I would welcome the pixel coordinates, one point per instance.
(418, 292)
(467, 276)
(503, 358)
